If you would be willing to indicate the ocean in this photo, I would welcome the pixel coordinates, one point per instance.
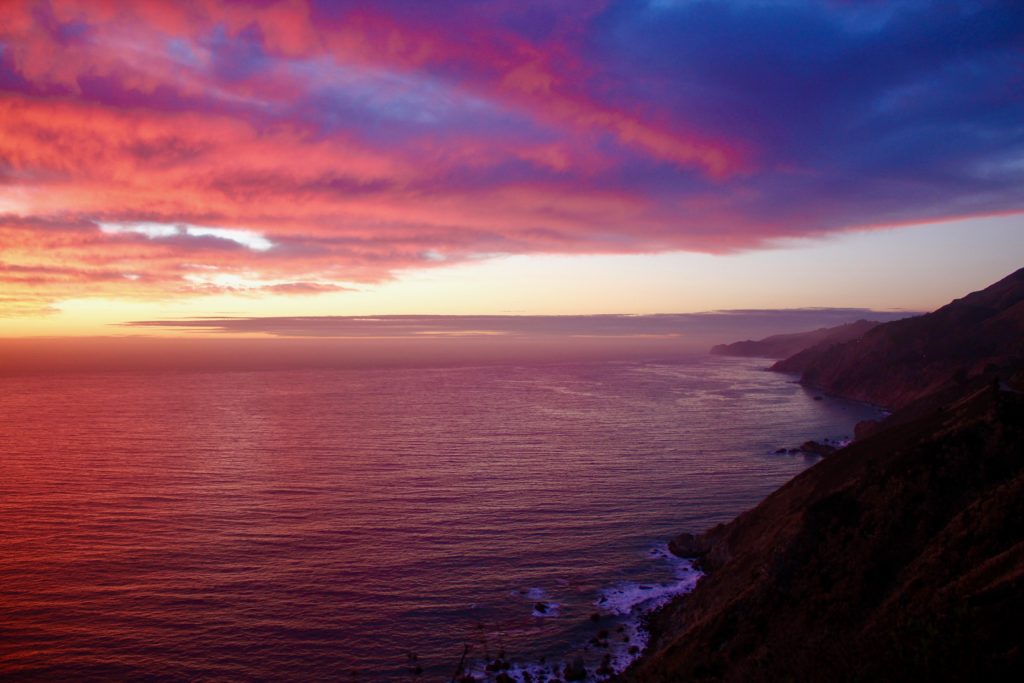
(372, 524)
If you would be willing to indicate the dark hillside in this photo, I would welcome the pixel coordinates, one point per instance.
(899, 558)
(785, 345)
(899, 362)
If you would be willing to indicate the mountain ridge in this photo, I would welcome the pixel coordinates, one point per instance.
(897, 363)
(901, 556)
(786, 345)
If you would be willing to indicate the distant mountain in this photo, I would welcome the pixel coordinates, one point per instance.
(897, 558)
(785, 345)
(899, 362)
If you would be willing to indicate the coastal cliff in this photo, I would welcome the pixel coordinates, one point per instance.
(898, 363)
(901, 556)
(785, 345)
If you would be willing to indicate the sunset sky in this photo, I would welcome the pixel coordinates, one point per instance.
(167, 160)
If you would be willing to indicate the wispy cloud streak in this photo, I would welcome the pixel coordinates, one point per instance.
(725, 324)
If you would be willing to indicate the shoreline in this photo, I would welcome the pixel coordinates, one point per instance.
(696, 546)
(604, 659)
(653, 625)
(839, 573)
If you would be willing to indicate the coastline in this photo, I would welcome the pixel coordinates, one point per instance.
(899, 557)
(662, 622)
(644, 616)
(695, 546)
(884, 561)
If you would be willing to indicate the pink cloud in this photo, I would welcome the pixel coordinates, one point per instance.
(362, 140)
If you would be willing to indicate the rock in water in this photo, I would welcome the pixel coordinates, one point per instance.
(688, 546)
(815, 448)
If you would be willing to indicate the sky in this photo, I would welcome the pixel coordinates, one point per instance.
(172, 161)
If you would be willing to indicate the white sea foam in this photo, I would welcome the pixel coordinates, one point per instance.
(628, 597)
(635, 600)
(621, 637)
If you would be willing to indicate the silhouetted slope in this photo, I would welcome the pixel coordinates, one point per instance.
(785, 345)
(899, 558)
(899, 362)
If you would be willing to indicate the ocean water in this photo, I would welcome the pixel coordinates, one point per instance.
(371, 524)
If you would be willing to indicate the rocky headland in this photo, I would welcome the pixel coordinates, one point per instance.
(786, 345)
(899, 556)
